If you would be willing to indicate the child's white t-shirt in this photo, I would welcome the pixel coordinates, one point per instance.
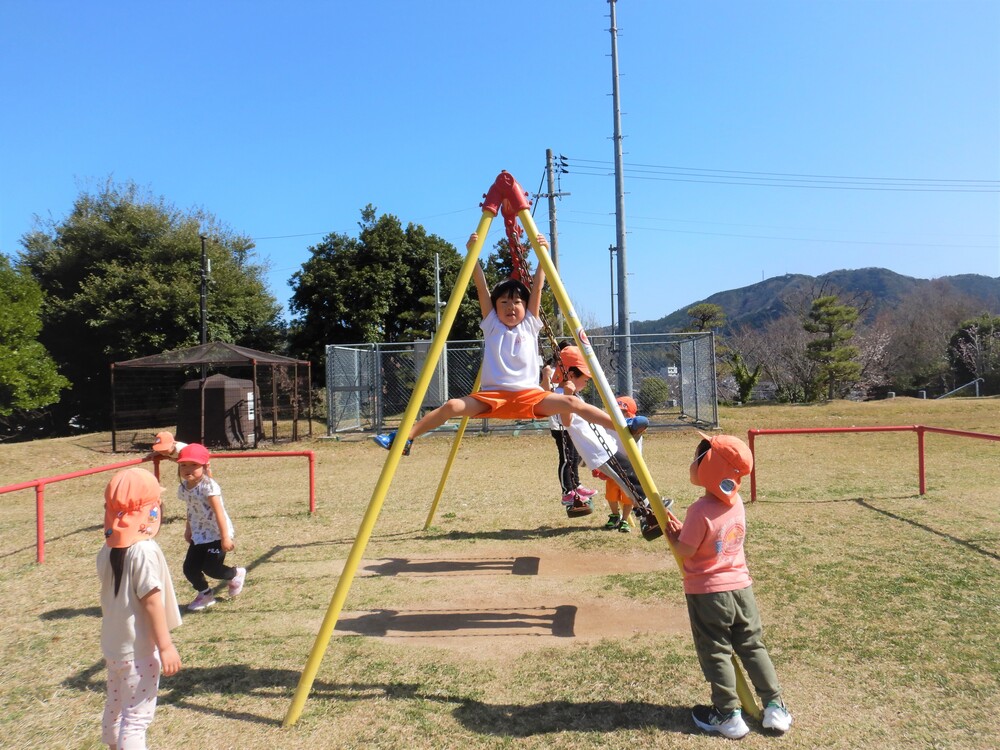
(126, 631)
(511, 361)
(587, 438)
(204, 527)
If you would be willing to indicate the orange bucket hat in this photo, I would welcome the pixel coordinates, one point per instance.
(722, 467)
(131, 507)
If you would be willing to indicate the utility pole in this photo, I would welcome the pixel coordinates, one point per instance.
(204, 291)
(553, 235)
(204, 332)
(437, 291)
(624, 326)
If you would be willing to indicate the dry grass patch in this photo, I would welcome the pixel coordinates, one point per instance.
(508, 625)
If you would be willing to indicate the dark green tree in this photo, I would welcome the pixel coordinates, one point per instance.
(29, 379)
(376, 287)
(831, 350)
(121, 278)
(705, 316)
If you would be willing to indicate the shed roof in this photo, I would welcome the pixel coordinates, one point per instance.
(212, 353)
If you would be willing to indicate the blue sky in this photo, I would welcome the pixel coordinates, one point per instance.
(749, 127)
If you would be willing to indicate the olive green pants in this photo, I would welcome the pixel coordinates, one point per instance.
(722, 623)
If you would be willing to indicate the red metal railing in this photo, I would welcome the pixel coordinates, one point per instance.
(921, 430)
(40, 484)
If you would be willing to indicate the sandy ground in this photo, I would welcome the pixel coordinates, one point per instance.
(488, 618)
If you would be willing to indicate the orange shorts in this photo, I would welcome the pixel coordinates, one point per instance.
(613, 493)
(509, 404)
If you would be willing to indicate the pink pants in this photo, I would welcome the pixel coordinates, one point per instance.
(131, 702)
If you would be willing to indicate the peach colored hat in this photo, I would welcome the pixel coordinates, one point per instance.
(627, 405)
(164, 442)
(723, 466)
(131, 507)
(571, 356)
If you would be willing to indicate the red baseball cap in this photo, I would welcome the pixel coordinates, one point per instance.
(194, 453)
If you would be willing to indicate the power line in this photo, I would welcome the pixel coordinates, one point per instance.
(788, 239)
(595, 168)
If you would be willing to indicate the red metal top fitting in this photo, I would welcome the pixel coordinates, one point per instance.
(505, 192)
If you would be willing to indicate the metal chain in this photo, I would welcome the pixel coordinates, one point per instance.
(522, 273)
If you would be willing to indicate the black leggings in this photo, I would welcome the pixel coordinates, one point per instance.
(569, 461)
(208, 558)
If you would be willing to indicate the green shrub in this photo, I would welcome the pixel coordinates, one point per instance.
(653, 393)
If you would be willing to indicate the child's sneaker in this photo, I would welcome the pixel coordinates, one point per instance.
(637, 425)
(204, 600)
(729, 725)
(585, 491)
(613, 520)
(386, 442)
(625, 527)
(236, 585)
(569, 498)
(776, 717)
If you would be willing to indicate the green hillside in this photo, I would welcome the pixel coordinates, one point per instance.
(759, 303)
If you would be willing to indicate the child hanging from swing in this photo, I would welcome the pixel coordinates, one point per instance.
(511, 364)
(600, 450)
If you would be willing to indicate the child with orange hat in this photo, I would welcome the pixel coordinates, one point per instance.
(601, 451)
(209, 531)
(719, 590)
(138, 607)
(568, 469)
(165, 446)
(619, 502)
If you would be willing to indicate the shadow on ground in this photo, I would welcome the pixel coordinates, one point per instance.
(197, 689)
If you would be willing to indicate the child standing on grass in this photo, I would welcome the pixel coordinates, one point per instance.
(209, 531)
(138, 608)
(511, 363)
(619, 503)
(568, 469)
(719, 591)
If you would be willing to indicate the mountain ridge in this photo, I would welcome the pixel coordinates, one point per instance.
(764, 301)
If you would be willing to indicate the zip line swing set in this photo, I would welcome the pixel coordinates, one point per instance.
(504, 195)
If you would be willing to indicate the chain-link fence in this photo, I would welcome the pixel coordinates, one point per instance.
(369, 385)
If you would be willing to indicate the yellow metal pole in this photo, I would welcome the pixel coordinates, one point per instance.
(451, 457)
(385, 478)
(603, 388)
(611, 406)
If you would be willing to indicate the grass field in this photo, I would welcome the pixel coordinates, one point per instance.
(500, 626)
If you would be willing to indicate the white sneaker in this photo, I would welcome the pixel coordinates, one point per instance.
(204, 600)
(236, 585)
(728, 725)
(776, 717)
